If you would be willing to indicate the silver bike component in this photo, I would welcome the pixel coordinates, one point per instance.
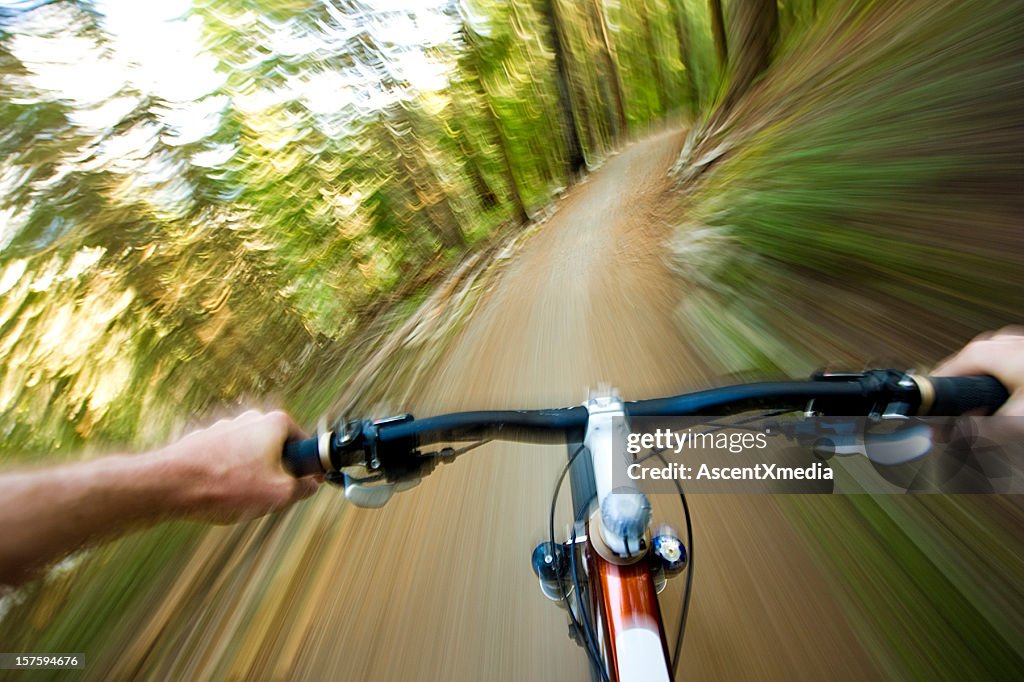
(624, 510)
(553, 591)
(366, 495)
(660, 579)
(900, 410)
(374, 495)
(323, 445)
(899, 446)
(925, 388)
(626, 513)
(671, 549)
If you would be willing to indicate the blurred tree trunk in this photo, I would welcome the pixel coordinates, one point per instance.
(753, 31)
(473, 68)
(522, 215)
(445, 222)
(488, 197)
(587, 126)
(621, 124)
(754, 27)
(718, 33)
(586, 114)
(683, 36)
(573, 143)
(418, 172)
(652, 53)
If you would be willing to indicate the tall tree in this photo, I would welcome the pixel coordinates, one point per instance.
(405, 142)
(474, 63)
(654, 56)
(614, 76)
(575, 160)
(718, 34)
(754, 26)
(681, 25)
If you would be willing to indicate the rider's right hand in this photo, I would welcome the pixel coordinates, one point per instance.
(999, 354)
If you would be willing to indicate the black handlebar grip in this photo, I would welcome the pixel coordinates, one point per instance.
(956, 395)
(302, 458)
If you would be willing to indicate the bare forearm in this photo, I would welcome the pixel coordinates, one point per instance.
(46, 514)
(227, 472)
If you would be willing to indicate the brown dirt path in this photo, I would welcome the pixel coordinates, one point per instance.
(438, 586)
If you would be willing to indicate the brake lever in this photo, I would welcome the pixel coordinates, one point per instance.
(376, 490)
(908, 440)
(371, 495)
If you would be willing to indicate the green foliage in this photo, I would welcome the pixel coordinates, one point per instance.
(151, 269)
(875, 154)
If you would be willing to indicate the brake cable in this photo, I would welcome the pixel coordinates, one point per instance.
(688, 588)
(590, 633)
(589, 645)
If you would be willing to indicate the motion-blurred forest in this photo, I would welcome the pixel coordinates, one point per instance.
(153, 247)
(258, 223)
(352, 151)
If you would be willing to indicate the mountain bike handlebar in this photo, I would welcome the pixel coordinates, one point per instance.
(390, 445)
(608, 581)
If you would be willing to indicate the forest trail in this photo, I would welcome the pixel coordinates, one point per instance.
(438, 585)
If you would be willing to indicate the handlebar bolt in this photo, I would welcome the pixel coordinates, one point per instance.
(669, 552)
(549, 561)
(552, 569)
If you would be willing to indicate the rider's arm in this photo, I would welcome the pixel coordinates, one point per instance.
(227, 472)
(1000, 355)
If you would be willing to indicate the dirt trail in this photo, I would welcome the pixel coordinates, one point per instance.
(446, 592)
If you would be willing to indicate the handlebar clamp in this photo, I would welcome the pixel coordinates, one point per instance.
(885, 393)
